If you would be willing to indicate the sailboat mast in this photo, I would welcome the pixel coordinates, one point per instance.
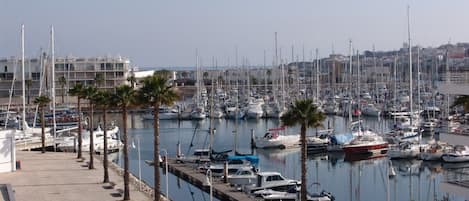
(317, 74)
(23, 115)
(410, 66)
(52, 44)
(350, 85)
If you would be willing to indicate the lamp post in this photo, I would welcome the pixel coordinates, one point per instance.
(139, 165)
(166, 166)
(208, 176)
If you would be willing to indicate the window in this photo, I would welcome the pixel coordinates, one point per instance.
(36, 76)
(6, 69)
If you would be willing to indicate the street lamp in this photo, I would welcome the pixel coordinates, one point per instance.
(208, 182)
(166, 166)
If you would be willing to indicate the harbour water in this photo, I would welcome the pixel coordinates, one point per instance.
(362, 180)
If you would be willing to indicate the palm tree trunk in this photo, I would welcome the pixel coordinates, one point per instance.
(126, 156)
(43, 133)
(91, 165)
(105, 162)
(79, 156)
(156, 153)
(303, 162)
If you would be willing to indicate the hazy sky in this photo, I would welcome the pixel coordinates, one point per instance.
(167, 32)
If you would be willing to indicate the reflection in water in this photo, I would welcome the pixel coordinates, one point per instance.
(364, 180)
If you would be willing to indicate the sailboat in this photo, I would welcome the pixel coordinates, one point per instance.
(198, 110)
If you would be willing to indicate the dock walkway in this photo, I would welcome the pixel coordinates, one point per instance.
(220, 190)
(58, 176)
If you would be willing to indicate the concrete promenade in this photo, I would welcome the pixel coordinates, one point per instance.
(61, 177)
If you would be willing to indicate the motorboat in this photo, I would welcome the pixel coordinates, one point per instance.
(270, 180)
(244, 176)
(273, 139)
(459, 154)
(293, 194)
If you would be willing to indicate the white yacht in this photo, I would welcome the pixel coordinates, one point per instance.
(273, 139)
(69, 144)
(271, 180)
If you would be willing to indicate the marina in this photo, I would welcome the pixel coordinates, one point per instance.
(365, 178)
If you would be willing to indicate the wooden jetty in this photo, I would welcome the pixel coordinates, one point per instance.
(220, 190)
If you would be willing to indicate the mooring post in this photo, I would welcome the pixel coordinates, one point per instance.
(225, 172)
(253, 143)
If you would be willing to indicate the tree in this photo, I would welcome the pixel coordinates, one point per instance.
(63, 82)
(306, 114)
(132, 81)
(42, 101)
(124, 98)
(463, 101)
(90, 93)
(28, 83)
(78, 91)
(157, 91)
(104, 99)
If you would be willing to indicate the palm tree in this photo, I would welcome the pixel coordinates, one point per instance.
(104, 99)
(132, 80)
(306, 114)
(63, 82)
(78, 91)
(90, 93)
(124, 98)
(463, 101)
(42, 101)
(155, 92)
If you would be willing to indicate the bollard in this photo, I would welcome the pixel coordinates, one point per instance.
(225, 172)
(18, 165)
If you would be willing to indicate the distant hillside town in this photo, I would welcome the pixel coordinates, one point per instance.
(377, 67)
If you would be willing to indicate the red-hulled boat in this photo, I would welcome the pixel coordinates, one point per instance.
(367, 145)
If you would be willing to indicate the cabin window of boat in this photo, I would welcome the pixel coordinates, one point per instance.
(274, 178)
(245, 173)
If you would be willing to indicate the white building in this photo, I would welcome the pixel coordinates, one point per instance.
(111, 71)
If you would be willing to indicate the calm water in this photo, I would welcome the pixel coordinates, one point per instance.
(365, 180)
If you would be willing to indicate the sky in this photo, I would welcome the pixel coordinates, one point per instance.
(159, 33)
